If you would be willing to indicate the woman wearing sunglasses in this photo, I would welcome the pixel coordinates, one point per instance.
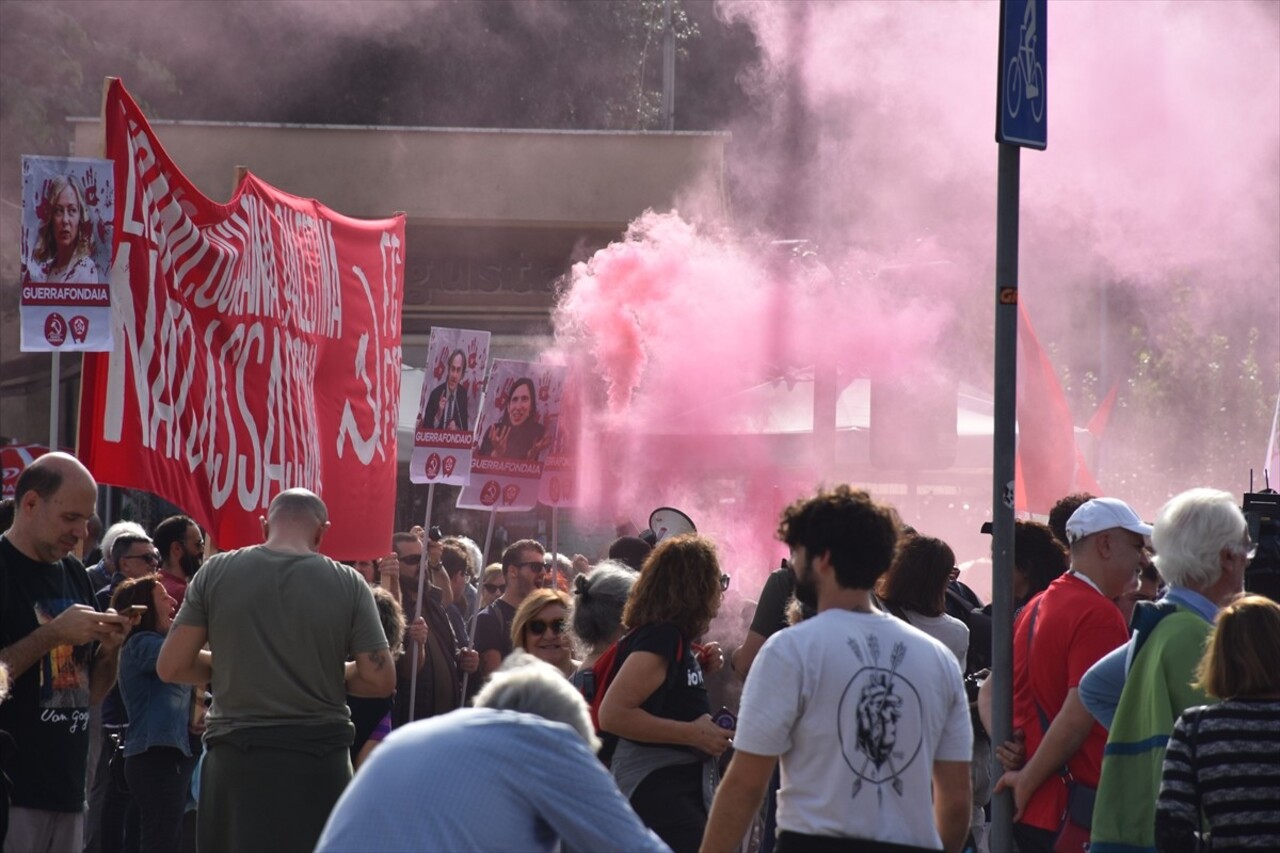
(666, 759)
(492, 584)
(541, 628)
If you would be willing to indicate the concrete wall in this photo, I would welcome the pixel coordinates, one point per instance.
(454, 176)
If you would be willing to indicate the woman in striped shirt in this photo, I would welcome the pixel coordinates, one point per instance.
(1222, 767)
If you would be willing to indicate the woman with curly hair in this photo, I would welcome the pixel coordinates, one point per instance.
(371, 712)
(541, 628)
(657, 702)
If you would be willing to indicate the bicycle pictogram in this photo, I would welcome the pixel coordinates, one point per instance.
(1026, 75)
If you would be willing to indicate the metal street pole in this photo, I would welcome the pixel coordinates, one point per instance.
(1006, 379)
(55, 389)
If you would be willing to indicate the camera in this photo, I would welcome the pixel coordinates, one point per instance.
(1262, 512)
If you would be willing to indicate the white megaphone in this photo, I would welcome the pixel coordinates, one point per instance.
(666, 521)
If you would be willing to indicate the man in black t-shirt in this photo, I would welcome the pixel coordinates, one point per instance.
(525, 571)
(770, 617)
(61, 652)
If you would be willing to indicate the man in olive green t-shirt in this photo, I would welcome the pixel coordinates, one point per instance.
(281, 622)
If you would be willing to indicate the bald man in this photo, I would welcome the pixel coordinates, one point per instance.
(60, 651)
(281, 621)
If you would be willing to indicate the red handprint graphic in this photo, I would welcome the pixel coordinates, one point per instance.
(544, 387)
(501, 400)
(90, 190)
(441, 360)
(472, 352)
(43, 208)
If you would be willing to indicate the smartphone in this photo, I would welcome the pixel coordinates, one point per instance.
(434, 534)
(725, 719)
(135, 611)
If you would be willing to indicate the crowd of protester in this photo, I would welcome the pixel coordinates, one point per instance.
(272, 698)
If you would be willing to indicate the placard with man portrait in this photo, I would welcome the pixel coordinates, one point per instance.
(451, 393)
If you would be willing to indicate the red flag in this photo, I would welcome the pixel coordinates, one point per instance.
(1098, 423)
(257, 348)
(1049, 464)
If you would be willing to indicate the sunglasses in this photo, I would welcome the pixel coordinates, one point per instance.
(724, 583)
(151, 559)
(495, 588)
(533, 565)
(539, 627)
(410, 559)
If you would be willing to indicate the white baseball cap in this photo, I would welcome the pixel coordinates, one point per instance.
(1099, 514)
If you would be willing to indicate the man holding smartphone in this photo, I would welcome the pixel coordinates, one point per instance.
(60, 651)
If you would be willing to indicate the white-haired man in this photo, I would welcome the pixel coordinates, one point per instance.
(517, 772)
(281, 622)
(1202, 547)
(101, 572)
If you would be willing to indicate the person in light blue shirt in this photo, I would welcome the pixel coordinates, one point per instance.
(518, 772)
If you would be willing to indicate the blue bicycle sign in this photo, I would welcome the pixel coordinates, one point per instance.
(1022, 73)
(1026, 76)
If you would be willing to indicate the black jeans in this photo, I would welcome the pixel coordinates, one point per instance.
(160, 780)
(111, 825)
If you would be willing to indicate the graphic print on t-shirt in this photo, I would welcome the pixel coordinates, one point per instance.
(879, 719)
(64, 671)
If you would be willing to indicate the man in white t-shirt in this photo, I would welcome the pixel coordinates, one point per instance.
(867, 714)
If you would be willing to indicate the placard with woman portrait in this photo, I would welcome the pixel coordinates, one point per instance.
(518, 424)
(67, 212)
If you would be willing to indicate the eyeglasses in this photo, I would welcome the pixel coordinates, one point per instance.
(539, 627)
(535, 565)
(150, 559)
(410, 559)
(495, 588)
(724, 583)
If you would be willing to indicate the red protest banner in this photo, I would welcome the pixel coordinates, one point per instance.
(13, 458)
(257, 348)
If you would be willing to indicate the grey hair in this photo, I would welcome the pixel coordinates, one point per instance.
(116, 530)
(524, 683)
(1190, 533)
(299, 505)
(598, 599)
(475, 559)
(558, 561)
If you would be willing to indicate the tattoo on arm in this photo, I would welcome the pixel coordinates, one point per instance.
(379, 659)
